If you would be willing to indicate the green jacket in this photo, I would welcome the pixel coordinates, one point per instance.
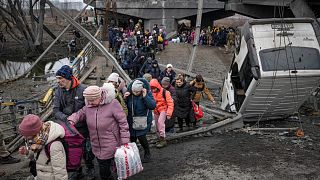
(122, 102)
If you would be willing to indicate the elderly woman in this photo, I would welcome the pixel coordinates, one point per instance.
(107, 124)
(120, 88)
(140, 102)
(40, 134)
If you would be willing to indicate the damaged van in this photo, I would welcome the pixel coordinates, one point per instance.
(275, 68)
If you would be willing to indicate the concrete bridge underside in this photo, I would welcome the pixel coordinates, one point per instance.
(274, 8)
(169, 12)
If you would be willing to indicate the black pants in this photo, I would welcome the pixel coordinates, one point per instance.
(88, 156)
(180, 122)
(143, 141)
(105, 168)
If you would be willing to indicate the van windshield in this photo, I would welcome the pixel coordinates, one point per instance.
(290, 58)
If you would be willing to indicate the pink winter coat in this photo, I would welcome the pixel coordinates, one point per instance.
(107, 124)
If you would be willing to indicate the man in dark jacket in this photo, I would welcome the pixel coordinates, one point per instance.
(153, 69)
(68, 99)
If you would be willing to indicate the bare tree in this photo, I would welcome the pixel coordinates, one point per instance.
(17, 25)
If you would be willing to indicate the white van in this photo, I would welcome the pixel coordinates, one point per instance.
(275, 68)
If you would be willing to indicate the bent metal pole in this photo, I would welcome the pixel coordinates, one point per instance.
(196, 40)
(48, 48)
(93, 40)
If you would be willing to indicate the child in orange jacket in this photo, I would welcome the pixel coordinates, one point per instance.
(163, 110)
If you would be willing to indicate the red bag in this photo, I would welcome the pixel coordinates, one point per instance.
(166, 42)
(198, 113)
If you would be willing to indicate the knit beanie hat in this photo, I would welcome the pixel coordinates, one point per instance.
(169, 65)
(92, 93)
(65, 72)
(30, 125)
(137, 86)
(147, 76)
(114, 77)
(165, 80)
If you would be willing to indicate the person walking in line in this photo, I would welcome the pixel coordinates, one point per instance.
(117, 94)
(68, 99)
(165, 83)
(140, 102)
(39, 134)
(147, 76)
(118, 82)
(163, 110)
(120, 89)
(107, 124)
(183, 109)
(168, 72)
(200, 88)
(154, 69)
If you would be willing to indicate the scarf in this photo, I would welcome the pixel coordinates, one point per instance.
(39, 141)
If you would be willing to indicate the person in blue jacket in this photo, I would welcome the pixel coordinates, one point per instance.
(140, 102)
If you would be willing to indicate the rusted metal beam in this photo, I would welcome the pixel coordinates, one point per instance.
(228, 124)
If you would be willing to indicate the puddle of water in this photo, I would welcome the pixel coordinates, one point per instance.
(11, 69)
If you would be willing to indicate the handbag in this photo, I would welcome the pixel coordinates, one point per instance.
(33, 165)
(139, 122)
(198, 113)
(169, 124)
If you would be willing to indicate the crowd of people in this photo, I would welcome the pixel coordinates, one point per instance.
(135, 48)
(91, 122)
(105, 118)
(212, 36)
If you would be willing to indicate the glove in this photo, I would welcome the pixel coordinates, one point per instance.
(126, 145)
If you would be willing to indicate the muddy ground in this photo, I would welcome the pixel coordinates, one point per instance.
(237, 154)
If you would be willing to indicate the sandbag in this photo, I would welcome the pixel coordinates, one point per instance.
(128, 162)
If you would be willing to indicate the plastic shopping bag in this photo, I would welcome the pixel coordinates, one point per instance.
(128, 161)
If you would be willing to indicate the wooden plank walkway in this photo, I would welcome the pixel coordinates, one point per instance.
(103, 68)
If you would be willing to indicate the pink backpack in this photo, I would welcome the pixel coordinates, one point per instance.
(73, 143)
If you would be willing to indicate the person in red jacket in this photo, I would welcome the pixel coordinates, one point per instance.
(163, 110)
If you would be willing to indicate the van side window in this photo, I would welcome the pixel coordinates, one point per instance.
(241, 80)
(246, 75)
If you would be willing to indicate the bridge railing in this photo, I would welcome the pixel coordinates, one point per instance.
(86, 55)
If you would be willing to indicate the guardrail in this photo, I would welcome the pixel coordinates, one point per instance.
(86, 55)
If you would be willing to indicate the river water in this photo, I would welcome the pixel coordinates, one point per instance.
(11, 69)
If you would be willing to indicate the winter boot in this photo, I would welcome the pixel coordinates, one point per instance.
(90, 173)
(147, 156)
(162, 143)
(8, 160)
(180, 130)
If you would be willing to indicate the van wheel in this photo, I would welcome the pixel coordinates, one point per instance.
(237, 40)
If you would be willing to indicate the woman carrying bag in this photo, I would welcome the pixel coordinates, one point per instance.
(140, 103)
(107, 124)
